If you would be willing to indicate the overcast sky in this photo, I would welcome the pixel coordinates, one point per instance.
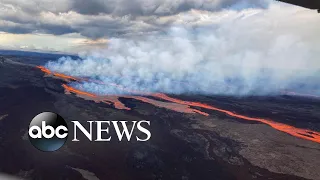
(76, 25)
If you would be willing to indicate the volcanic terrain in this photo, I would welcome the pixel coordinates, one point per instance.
(193, 136)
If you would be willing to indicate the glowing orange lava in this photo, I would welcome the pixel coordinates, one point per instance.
(302, 133)
(71, 89)
(64, 76)
(43, 69)
(180, 106)
(172, 106)
(59, 75)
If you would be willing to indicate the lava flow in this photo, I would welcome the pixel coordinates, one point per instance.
(59, 75)
(114, 100)
(71, 89)
(179, 106)
(302, 133)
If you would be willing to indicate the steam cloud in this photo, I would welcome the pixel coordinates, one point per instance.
(251, 52)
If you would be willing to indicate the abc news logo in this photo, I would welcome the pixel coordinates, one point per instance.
(49, 131)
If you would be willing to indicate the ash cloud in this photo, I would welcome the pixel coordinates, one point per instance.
(251, 52)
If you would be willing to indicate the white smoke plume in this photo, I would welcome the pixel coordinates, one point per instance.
(248, 52)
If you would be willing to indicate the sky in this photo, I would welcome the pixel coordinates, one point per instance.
(77, 25)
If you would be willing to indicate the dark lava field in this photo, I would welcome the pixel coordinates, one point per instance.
(182, 146)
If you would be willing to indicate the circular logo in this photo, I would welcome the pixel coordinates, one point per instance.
(48, 131)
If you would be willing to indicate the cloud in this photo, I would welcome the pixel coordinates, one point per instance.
(109, 18)
(159, 7)
(249, 52)
(7, 26)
